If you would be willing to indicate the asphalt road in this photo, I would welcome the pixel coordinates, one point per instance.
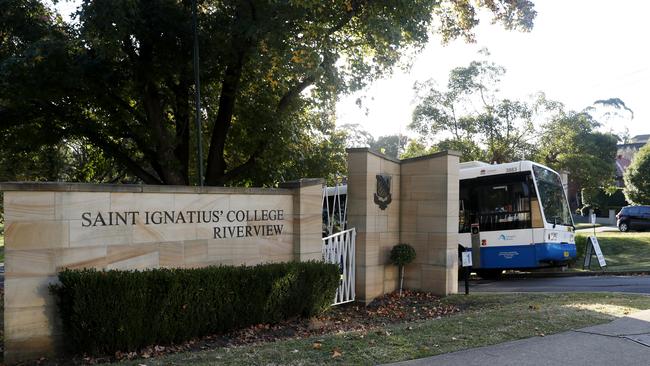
(631, 284)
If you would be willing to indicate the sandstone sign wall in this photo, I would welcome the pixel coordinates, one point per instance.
(51, 226)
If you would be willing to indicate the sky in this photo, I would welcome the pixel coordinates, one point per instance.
(578, 52)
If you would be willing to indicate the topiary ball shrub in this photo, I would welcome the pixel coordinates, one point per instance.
(402, 254)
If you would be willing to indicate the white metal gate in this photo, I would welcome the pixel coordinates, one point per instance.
(339, 249)
(335, 208)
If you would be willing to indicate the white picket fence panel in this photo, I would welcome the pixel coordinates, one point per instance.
(339, 249)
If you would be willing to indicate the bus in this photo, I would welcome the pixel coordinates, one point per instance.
(514, 216)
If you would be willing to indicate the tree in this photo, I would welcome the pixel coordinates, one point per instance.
(569, 142)
(356, 135)
(69, 160)
(602, 199)
(499, 130)
(390, 145)
(414, 148)
(121, 76)
(637, 178)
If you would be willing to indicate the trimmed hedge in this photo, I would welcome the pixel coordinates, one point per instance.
(581, 248)
(106, 311)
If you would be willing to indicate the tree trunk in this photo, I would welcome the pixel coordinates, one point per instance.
(216, 163)
(401, 279)
(170, 168)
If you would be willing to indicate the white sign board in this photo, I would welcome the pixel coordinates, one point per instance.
(467, 259)
(593, 219)
(599, 253)
(594, 247)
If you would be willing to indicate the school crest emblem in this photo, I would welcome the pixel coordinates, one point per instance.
(383, 196)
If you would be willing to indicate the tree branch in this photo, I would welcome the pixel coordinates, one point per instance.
(113, 149)
(216, 172)
(283, 105)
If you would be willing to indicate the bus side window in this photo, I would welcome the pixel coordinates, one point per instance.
(504, 203)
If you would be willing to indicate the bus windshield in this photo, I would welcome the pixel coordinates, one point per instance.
(551, 196)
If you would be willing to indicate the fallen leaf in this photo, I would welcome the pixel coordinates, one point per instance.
(336, 353)
(316, 345)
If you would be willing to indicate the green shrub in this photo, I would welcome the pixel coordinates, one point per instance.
(581, 247)
(106, 311)
(402, 254)
(602, 200)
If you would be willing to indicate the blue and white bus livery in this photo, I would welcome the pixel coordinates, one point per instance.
(522, 214)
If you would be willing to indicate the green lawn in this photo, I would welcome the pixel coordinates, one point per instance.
(486, 319)
(623, 251)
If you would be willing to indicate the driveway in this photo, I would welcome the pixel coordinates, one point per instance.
(600, 229)
(631, 284)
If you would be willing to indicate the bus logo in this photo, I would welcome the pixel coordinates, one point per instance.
(506, 237)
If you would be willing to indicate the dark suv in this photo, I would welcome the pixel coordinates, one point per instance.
(633, 218)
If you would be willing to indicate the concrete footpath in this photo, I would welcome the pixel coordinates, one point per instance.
(625, 341)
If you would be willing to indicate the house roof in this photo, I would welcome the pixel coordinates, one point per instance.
(640, 138)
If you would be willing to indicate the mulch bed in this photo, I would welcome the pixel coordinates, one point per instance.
(412, 306)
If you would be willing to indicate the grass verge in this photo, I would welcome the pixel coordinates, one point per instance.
(623, 251)
(486, 319)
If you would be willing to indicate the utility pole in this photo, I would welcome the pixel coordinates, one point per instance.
(197, 91)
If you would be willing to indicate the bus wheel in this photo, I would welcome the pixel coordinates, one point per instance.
(489, 274)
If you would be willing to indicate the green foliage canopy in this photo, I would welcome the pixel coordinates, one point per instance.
(120, 77)
(603, 199)
(402, 254)
(499, 130)
(504, 130)
(569, 142)
(390, 145)
(637, 178)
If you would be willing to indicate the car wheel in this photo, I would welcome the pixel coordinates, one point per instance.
(623, 227)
